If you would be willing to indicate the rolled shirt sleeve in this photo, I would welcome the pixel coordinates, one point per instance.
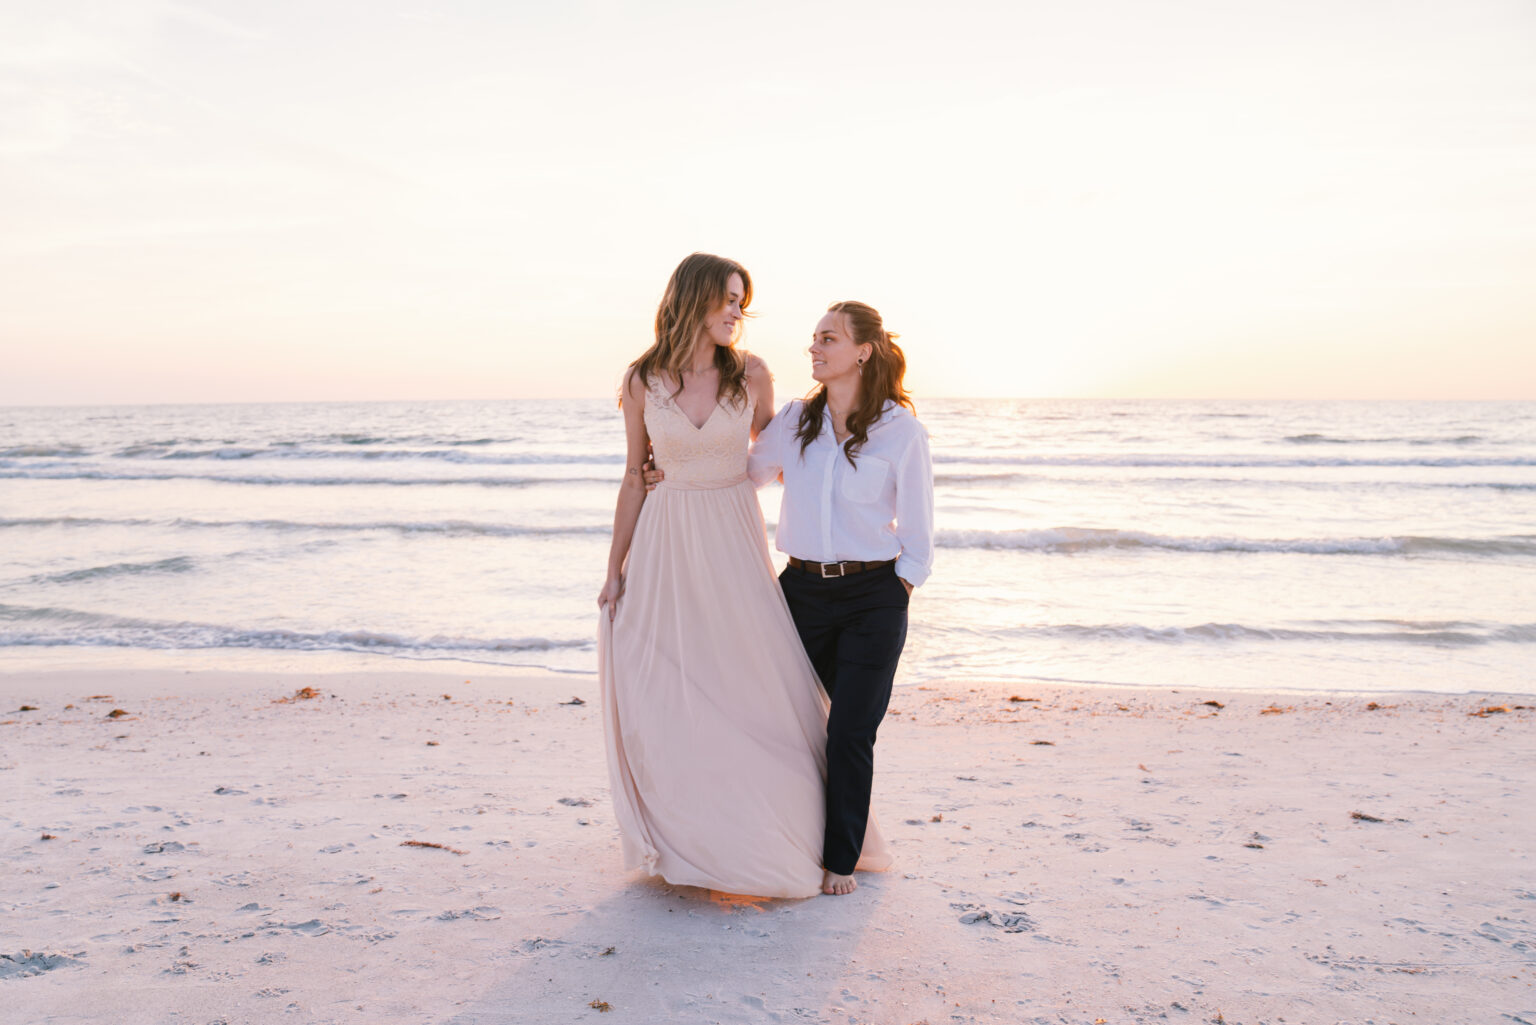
(765, 459)
(914, 511)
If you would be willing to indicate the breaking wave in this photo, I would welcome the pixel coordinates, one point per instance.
(1088, 539)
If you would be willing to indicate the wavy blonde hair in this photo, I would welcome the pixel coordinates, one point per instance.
(698, 287)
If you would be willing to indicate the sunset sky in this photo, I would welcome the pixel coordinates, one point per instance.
(401, 199)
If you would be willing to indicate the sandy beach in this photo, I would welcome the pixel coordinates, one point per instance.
(402, 847)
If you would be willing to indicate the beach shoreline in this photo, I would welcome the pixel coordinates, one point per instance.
(437, 847)
(1229, 544)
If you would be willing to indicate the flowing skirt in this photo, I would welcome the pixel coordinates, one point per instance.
(714, 720)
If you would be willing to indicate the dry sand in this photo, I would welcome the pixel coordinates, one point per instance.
(219, 855)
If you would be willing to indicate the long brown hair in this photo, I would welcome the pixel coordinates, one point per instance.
(880, 380)
(697, 288)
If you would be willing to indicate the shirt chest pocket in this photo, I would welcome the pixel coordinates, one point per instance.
(867, 483)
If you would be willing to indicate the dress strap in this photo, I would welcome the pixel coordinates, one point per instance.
(656, 388)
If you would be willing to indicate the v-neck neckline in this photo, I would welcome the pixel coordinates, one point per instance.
(674, 404)
(698, 428)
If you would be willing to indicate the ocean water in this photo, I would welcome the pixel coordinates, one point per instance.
(1313, 546)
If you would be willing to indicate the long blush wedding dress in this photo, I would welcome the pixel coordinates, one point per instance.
(714, 720)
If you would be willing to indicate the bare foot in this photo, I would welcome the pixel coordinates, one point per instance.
(833, 883)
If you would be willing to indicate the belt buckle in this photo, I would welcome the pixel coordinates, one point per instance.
(827, 576)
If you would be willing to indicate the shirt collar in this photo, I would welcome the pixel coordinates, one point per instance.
(885, 416)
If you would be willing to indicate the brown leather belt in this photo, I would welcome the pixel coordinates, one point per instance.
(837, 569)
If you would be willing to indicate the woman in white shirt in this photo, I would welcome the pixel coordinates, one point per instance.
(857, 525)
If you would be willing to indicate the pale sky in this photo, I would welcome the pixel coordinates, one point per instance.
(403, 199)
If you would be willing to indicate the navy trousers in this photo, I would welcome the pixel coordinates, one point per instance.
(853, 629)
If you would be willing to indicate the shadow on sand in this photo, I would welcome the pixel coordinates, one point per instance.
(653, 952)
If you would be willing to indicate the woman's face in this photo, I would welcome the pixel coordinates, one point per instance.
(720, 326)
(834, 354)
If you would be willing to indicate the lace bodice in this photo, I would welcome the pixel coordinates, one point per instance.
(711, 456)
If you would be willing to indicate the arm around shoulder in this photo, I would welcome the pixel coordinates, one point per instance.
(760, 392)
(769, 449)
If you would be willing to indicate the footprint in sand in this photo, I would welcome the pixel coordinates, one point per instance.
(28, 963)
(480, 914)
(313, 927)
(164, 847)
(240, 879)
(1008, 921)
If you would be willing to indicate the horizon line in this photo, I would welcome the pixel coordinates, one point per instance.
(610, 398)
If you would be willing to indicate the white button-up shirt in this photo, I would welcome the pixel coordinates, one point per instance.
(833, 512)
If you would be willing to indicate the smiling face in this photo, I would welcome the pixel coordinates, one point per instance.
(719, 327)
(834, 353)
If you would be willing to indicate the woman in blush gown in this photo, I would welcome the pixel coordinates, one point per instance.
(714, 721)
